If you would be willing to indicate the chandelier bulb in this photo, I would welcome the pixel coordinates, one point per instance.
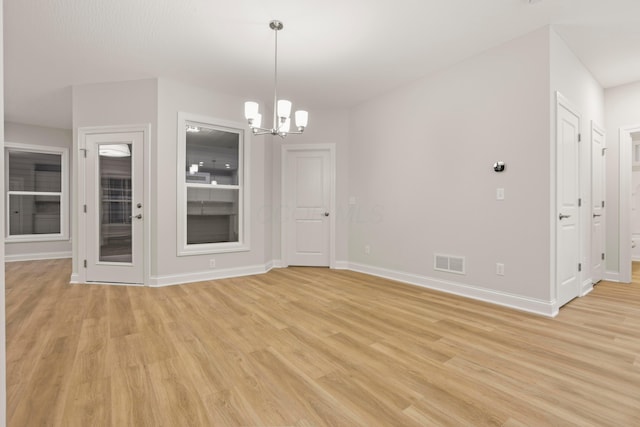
(251, 110)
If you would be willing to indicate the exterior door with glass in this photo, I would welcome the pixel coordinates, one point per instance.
(114, 214)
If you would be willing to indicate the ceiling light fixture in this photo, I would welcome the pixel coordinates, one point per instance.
(281, 108)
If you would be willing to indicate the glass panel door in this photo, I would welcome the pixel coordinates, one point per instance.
(114, 207)
(115, 203)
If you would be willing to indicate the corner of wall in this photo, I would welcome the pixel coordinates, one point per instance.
(3, 349)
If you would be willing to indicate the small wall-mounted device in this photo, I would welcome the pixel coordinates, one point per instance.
(498, 166)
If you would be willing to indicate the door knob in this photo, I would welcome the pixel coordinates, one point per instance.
(596, 215)
(326, 214)
(139, 216)
(561, 216)
(139, 205)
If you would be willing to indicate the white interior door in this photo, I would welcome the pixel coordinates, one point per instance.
(114, 197)
(308, 207)
(597, 203)
(567, 191)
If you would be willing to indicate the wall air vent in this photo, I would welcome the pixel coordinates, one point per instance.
(449, 263)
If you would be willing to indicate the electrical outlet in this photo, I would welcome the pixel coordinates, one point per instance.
(212, 263)
(500, 269)
(367, 249)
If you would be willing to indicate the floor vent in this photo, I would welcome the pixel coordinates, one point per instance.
(448, 263)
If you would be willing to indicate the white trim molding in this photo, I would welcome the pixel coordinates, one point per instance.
(63, 194)
(37, 256)
(341, 265)
(587, 286)
(243, 187)
(612, 276)
(79, 223)
(205, 276)
(531, 305)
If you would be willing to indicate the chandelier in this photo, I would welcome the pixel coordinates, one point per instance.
(281, 107)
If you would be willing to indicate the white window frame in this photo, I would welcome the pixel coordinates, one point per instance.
(63, 194)
(242, 244)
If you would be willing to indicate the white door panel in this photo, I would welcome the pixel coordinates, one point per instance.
(308, 199)
(568, 238)
(114, 197)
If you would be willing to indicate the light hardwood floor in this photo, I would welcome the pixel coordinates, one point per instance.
(311, 347)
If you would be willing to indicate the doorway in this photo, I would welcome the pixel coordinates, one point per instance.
(113, 205)
(627, 136)
(308, 200)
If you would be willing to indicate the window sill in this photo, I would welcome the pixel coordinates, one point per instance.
(35, 238)
(214, 248)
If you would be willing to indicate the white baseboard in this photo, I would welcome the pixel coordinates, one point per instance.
(37, 256)
(587, 286)
(203, 276)
(531, 305)
(612, 276)
(341, 265)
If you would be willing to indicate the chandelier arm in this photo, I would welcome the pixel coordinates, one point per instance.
(262, 131)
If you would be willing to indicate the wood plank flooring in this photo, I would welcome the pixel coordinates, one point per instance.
(311, 347)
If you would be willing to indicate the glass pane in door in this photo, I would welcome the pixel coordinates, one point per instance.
(115, 203)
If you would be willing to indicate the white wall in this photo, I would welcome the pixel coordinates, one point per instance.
(325, 126)
(572, 79)
(158, 101)
(109, 104)
(174, 97)
(3, 352)
(420, 168)
(45, 136)
(622, 109)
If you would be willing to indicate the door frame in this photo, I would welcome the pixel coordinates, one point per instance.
(596, 128)
(624, 226)
(289, 148)
(79, 244)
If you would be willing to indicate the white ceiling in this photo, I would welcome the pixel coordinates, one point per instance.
(333, 53)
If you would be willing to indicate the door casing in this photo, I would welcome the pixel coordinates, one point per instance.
(289, 148)
(79, 190)
(597, 213)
